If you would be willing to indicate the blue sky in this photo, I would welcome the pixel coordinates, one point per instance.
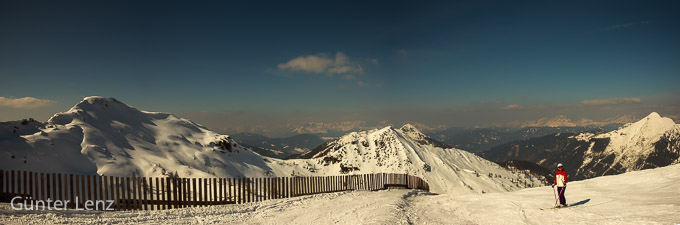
(439, 63)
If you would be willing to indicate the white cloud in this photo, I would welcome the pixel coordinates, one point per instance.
(24, 103)
(611, 101)
(402, 52)
(322, 63)
(513, 106)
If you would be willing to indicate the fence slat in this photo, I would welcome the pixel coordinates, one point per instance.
(214, 191)
(229, 189)
(100, 183)
(249, 185)
(240, 190)
(90, 189)
(160, 195)
(11, 183)
(204, 191)
(258, 189)
(24, 181)
(124, 182)
(60, 189)
(194, 200)
(183, 184)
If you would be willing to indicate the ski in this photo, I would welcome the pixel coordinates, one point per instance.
(568, 206)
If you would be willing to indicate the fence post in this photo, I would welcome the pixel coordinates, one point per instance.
(219, 191)
(161, 186)
(229, 193)
(181, 191)
(116, 190)
(204, 191)
(140, 196)
(238, 189)
(11, 183)
(104, 190)
(24, 182)
(186, 191)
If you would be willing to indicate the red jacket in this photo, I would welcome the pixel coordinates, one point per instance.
(560, 174)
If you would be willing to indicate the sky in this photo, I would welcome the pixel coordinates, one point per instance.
(268, 66)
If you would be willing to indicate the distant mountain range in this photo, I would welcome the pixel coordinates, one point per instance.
(279, 147)
(651, 142)
(469, 139)
(483, 139)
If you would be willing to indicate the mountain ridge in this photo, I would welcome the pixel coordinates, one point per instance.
(105, 136)
(651, 142)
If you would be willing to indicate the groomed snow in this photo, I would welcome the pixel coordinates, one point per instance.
(640, 197)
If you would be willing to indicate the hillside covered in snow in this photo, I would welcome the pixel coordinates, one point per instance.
(651, 142)
(407, 150)
(105, 136)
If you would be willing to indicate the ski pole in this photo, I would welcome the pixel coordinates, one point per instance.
(555, 193)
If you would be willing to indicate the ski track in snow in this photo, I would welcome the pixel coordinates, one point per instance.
(641, 197)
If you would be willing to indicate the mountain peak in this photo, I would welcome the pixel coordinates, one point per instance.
(654, 120)
(87, 102)
(103, 109)
(409, 128)
(653, 115)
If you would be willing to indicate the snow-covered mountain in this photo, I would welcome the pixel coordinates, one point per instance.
(407, 150)
(105, 136)
(483, 139)
(651, 142)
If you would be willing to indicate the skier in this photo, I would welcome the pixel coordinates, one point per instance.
(561, 183)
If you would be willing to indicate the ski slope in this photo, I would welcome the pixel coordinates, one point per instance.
(640, 197)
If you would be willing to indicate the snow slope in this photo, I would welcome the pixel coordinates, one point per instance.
(641, 197)
(651, 142)
(406, 150)
(105, 136)
(634, 146)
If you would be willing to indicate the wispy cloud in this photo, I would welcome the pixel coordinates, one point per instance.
(24, 103)
(625, 25)
(323, 64)
(402, 52)
(611, 101)
(361, 84)
(513, 106)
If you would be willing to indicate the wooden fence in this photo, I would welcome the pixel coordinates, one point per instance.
(156, 193)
